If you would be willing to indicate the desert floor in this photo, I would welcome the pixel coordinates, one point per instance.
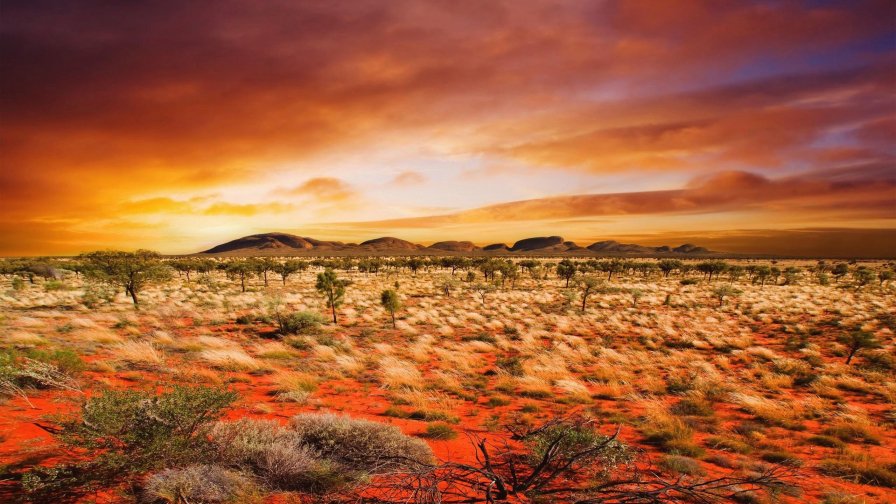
(703, 389)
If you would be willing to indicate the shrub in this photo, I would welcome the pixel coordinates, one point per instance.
(781, 457)
(826, 441)
(199, 484)
(128, 431)
(359, 444)
(303, 322)
(851, 432)
(440, 431)
(694, 407)
(729, 444)
(860, 470)
(682, 465)
(682, 447)
(316, 453)
(511, 365)
(19, 372)
(142, 430)
(498, 401)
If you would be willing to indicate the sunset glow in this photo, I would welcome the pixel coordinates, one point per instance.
(763, 127)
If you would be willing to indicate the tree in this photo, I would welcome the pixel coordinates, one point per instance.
(130, 270)
(612, 267)
(241, 269)
(863, 276)
(566, 269)
(483, 289)
(712, 268)
(857, 340)
(414, 264)
(184, 266)
(669, 265)
(389, 300)
(332, 288)
(840, 270)
(588, 285)
(261, 266)
(761, 274)
(723, 291)
(287, 268)
(509, 271)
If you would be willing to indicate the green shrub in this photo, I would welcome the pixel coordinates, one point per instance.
(682, 465)
(53, 285)
(682, 447)
(498, 401)
(303, 322)
(440, 431)
(123, 432)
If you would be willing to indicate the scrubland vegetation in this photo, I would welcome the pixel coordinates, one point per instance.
(135, 378)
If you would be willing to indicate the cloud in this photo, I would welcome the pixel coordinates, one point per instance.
(408, 178)
(106, 106)
(324, 190)
(720, 192)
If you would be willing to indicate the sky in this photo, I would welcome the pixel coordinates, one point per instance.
(755, 127)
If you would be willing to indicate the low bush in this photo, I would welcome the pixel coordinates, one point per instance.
(207, 484)
(316, 454)
(781, 457)
(303, 322)
(851, 432)
(690, 406)
(682, 465)
(859, 470)
(126, 432)
(826, 441)
(440, 431)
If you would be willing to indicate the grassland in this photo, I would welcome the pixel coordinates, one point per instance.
(698, 379)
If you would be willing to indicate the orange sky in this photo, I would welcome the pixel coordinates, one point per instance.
(743, 126)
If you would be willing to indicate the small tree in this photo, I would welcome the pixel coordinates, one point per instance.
(884, 276)
(389, 300)
(588, 286)
(840, 270)
(566, 269)
(333, 289)
(241, 269)
(483, 289)
(287, 268)
(130, 270)
(863, 276)
(857, 340)
(669, 265)
(723, 291)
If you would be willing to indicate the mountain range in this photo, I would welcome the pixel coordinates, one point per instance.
(288, 244)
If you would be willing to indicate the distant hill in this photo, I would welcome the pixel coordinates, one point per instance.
(284, 244)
